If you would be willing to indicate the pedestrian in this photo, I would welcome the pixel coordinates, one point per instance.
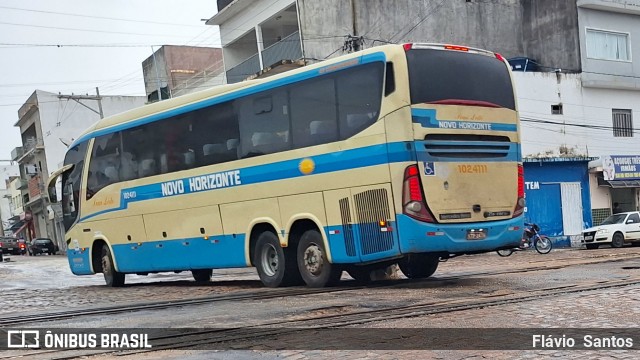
(616, 208)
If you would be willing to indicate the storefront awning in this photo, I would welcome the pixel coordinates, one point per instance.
(616, 184)
(21, 229)
(17, 225)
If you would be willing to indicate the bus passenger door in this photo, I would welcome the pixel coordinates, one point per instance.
(364, 218)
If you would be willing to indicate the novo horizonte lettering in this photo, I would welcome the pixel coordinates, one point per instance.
(201, 183)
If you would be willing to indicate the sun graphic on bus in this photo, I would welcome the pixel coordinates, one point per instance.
(307, 166)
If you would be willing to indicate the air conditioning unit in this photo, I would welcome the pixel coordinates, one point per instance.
(31, 169)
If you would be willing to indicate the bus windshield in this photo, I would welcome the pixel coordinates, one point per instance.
(457, 77)
(71, 184)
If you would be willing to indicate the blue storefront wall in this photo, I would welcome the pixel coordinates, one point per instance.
(544, 200)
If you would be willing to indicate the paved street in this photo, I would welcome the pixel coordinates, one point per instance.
(45, 283)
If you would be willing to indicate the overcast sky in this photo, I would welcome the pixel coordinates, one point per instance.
(111, 39)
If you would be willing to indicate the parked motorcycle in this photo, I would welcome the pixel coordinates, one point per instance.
(530, 238)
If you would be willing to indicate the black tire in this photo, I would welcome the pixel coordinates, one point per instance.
(276, 265)
(315, 268)
(543, 245)
(592, 246)
(112, 277)
(361, 274)
(202, 276)
(505, 252)
(617, 241)
(416, 266)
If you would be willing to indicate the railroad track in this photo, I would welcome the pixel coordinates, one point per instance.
(254, 336)
(265, 294)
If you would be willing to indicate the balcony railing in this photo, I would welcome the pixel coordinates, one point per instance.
(16, 153)
(285, 49)
(22, 184)
(244, 70)
(288, 48)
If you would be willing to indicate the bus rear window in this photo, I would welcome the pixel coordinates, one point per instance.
(454, 77)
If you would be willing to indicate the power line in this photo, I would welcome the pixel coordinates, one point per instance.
(88, 30)
(587, 126)
(426, 16)
(98, 17)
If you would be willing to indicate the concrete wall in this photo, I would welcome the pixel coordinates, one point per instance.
(323, 26)
(600, 196)
(550, 33)
(154, 70)
(605, 15)
(586, 107)
(184, 62)
(496, 26)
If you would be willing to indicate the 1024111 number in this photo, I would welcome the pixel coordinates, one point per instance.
(473, 169)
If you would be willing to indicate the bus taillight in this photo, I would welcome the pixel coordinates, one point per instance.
(407, 46)
(413, 203)
(521, 202)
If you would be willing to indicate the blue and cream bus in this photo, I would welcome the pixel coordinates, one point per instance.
(399, 154)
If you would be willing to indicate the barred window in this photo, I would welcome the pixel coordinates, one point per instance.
(622, 123)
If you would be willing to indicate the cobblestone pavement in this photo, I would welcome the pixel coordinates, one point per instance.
(46, 282)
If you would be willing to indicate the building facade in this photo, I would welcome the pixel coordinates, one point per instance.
(178, 70)
(10, 204)
(48, 123)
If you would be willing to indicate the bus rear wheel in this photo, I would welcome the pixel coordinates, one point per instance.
(202, 276)
(416, 266)
(315, 268)
(276, 265)
(112, 277)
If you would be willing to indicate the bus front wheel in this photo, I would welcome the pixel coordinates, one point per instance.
(315, 268)
(112, 277)
(276, 265)
(416, 266)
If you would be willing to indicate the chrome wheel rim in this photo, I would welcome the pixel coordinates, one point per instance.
(269, 260)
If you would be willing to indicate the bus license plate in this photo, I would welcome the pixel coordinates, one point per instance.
(478, 234)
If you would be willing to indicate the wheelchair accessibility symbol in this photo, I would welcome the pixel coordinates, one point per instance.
(429, 169)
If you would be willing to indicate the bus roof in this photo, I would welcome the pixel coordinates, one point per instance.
(168, 106)
(196, 97)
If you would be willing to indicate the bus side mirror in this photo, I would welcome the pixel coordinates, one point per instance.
(51, 183)
(51, 192)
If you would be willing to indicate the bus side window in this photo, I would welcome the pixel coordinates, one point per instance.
(359, 98)
(104, 168)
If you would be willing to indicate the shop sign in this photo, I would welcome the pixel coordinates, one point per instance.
(621, 167)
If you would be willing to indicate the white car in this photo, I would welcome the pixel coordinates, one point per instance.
(616, 230)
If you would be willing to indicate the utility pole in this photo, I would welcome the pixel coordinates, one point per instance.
(77, 99)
